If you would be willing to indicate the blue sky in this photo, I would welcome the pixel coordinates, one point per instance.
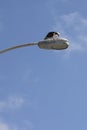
(42, 89)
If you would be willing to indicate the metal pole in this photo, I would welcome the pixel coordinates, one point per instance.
(17, 46)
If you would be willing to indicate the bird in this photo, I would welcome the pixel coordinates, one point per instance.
(52, 35)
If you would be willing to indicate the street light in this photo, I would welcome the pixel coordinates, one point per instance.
(50, 42)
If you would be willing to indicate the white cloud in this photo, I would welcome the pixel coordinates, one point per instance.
(26, 125)
(11, 103)
(5, 126)
(72, 26)
(15, 102)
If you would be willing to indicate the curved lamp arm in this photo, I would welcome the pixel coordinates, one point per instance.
(51, 44)
(17, 46)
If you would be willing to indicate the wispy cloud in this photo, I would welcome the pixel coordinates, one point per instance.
(27, 125)
(72, 26)
(11, 103)
(17, 103)
(5, 126)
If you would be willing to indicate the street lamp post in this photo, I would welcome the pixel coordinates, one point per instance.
(50, 43)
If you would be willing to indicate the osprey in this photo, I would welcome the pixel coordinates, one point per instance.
(52, 41)
(52, 35)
